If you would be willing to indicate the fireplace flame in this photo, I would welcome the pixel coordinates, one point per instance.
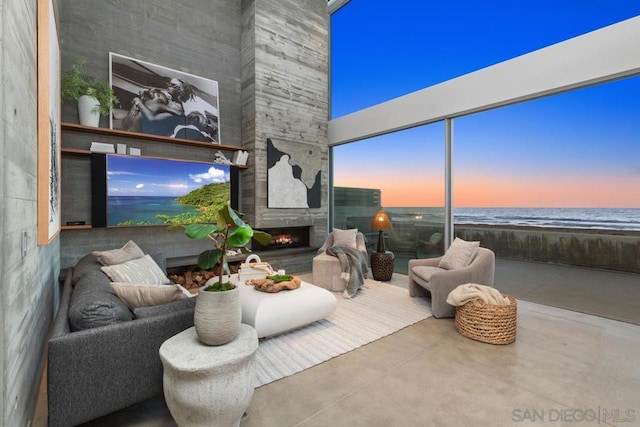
(283, 240)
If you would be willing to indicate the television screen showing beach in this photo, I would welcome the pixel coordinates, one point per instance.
(150, 191)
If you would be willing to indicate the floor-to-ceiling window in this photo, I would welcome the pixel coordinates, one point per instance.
(406, 170)
(381, 52)
(567, 161)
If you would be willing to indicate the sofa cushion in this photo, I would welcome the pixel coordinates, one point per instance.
(94, 304)
(164, 309)
(425, 272)
(141, 270)
(136, 295)
(117, 256)
(459, 255)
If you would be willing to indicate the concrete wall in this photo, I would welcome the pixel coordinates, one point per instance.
(270, 60)
(585, 248)
(200, 37)
(285, 97)
(27, 284)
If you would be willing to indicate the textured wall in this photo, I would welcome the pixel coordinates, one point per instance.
(279, 48)
(200, 37)
(26, 284)
(285, 98)
(586, 248)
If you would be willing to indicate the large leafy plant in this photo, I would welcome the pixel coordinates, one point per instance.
(230, 232)
(76, 83)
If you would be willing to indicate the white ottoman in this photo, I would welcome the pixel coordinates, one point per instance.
(327, 271)
(271, 314)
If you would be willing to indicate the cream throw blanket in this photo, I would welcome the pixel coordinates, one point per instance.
(470, 291)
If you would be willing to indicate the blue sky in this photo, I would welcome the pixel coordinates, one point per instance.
(585, 138)
(143, 176)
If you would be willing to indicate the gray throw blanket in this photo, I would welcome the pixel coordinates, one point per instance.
(354, 267)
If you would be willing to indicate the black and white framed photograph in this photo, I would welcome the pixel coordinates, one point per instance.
(161, 101)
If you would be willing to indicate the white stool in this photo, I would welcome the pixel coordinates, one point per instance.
(208, 385)
(274, 313)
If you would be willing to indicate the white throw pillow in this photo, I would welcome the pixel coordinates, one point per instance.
(117, 256)
(141, 270)
(459, 255)
(136, 295)
(345, 238)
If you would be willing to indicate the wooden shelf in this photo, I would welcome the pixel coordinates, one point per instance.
(76, 227)
(73, 127)
(80, 152)
(75, 151)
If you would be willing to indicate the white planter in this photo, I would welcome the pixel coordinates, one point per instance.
(217, 316)
(86, 106)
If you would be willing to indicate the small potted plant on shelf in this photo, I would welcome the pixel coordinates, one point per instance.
(218, 312)
(95, 97)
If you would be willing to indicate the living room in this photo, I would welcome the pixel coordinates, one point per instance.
(265, 93)
(280, 95)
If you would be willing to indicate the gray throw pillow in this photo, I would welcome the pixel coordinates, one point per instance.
(141, 270)
(160, 259)
(126, 253)
(87, 264)
(93, 304)
(459, 255)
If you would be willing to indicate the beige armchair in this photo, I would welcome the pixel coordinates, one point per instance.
(327, 269)
(427, 279)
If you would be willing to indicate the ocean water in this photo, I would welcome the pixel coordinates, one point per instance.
(143, 209)
(587, 218)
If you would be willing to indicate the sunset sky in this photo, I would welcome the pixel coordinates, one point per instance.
(578, 149)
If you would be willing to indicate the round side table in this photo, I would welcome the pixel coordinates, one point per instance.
(209, 385)
(382, 265)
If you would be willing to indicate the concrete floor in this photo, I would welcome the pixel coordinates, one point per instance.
(565, 368)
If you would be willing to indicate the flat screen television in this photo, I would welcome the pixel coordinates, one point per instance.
(139, 191)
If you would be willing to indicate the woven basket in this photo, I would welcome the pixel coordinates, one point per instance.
(493, 324)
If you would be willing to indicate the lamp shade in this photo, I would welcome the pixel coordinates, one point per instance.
(381, 221)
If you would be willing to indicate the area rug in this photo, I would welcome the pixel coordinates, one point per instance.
(377, 310)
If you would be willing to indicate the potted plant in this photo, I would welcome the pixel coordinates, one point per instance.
(95, 97)
(218, 312)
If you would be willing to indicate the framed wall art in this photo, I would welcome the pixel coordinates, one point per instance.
(48, 124)
(293, 174)
(160, 101)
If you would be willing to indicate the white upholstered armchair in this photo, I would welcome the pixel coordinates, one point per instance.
(426, 278)
(327, 269)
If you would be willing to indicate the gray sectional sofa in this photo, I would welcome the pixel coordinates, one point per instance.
(102, 356)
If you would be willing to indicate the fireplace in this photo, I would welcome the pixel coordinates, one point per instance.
(284, 238)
